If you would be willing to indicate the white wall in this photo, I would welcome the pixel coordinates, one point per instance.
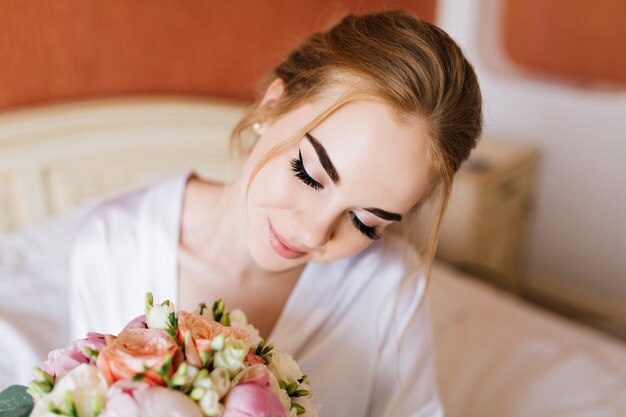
(578, 237)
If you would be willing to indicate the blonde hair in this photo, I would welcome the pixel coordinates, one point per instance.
(408, 64)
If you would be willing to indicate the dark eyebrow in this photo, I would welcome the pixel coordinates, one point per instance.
(334, 176)
(386, 215)
(324, 159)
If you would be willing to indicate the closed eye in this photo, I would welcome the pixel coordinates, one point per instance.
(368, 231)
(297, 166)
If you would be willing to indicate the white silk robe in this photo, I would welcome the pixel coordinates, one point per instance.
(337, 322)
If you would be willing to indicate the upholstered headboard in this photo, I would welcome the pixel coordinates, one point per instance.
(56, 157)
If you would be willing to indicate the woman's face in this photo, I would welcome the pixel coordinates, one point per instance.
(335, 192)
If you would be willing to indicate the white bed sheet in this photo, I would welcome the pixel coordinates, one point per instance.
(500, 356)
(496, 356)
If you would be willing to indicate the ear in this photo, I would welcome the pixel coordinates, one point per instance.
(273, 92)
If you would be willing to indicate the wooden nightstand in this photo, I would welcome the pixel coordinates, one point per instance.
(489, 212)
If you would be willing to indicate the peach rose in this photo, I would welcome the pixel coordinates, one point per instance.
(196, 332)
(138, 351)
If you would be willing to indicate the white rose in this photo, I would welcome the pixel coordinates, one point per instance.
(158, 316)
(284, 368)
(85, 385)
(238, 320)
(232, 356)
(282, 395)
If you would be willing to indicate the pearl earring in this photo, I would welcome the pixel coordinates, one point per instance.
(257, 127)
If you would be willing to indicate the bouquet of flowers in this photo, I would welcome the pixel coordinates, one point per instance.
(167, 363)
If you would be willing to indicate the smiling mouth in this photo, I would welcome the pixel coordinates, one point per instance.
(281, 246)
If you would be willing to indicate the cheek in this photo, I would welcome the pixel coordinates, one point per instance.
(275, 187)
(347, 241)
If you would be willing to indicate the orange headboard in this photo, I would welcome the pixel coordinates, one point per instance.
(62, 50)
(583, 42)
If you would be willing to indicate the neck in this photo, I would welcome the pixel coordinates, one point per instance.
(214, 228)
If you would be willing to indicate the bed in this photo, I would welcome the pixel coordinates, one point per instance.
(496, 355)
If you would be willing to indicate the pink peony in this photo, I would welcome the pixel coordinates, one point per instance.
(61, 361)
(133, 399)
(138, 322)
(138, 351)
(252, 400)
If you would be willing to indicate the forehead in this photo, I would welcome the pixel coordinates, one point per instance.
(380, 160)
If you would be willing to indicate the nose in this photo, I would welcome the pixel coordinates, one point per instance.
(313, 229)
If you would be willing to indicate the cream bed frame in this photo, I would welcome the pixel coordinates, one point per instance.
(56, 157)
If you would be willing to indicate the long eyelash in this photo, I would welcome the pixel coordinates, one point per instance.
(366, 230)
(298, 167)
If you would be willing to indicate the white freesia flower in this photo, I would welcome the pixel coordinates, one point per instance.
(221, 381)
(158, 316)
(217, 343)
(84, 385)
(210, 404)
(284, 368)
(206, 383)
(232, 356)
(238, 320)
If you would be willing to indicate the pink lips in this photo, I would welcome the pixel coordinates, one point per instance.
(281, 247)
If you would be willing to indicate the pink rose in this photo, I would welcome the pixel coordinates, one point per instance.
(138, 322)
(252, 400)
(61, 361)
(201, 330)
(138, 351)
(252, 359)
(255, 374)
(133, 399)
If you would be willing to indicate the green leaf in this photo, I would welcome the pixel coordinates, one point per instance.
(298, 407)
(301, 393)
(149, 303)
(38, 389)
(218, 310)
(291, 388)
(91, 352)
(69, 404)
(15, 402)
(167, 362)
(202, 306)
(173, 321)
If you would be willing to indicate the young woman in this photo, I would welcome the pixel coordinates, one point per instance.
(361, 130)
